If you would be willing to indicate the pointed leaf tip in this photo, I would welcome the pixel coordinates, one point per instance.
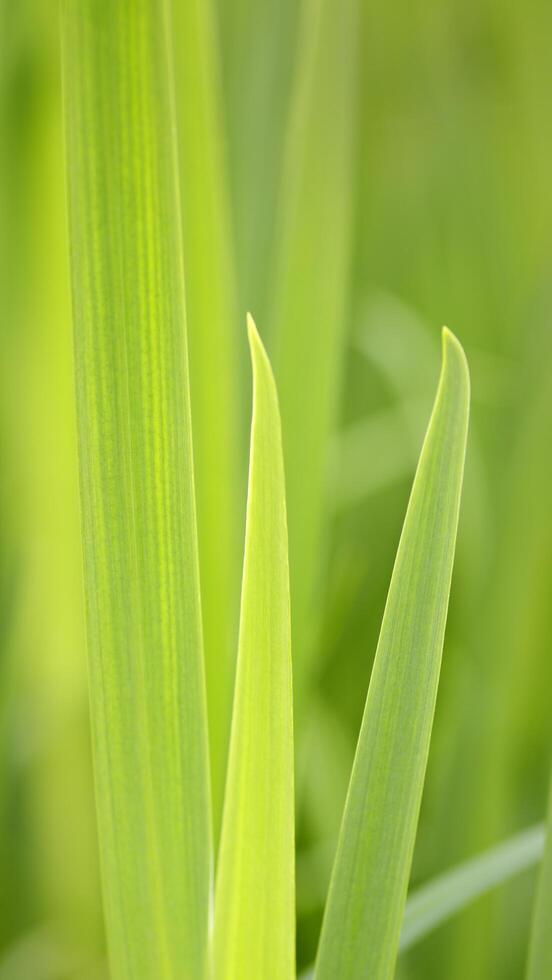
(452, 348)
(254, 337)
(260, 360)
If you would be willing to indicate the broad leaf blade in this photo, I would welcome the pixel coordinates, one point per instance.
(139, 526)
(362, 922)
(255, 900)
(540, 950)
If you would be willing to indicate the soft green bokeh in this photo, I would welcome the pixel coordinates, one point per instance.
(442, 213)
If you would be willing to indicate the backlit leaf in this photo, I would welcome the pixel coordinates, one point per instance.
(139, 525)
(255, 896)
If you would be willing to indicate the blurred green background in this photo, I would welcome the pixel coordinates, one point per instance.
(388, 170)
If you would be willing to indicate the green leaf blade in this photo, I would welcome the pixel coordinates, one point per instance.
(255, 896)
(362, 922)
(138, 508)
(539, 965)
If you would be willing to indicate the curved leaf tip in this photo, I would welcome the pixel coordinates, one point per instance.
(259, 356)
(454, 356)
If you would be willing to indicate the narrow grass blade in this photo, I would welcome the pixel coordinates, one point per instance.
(362, 922)
(212, 333)
(255, 898)
(309, 289)
(432, 904)
(139, 525)
(436, 902)
(540, 949)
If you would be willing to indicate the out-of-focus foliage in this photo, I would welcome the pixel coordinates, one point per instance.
(451, 222)
(540, 947)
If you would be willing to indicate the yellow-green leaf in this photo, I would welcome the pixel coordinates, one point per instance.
(139, 525)
(255, 895)
(364, 909)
